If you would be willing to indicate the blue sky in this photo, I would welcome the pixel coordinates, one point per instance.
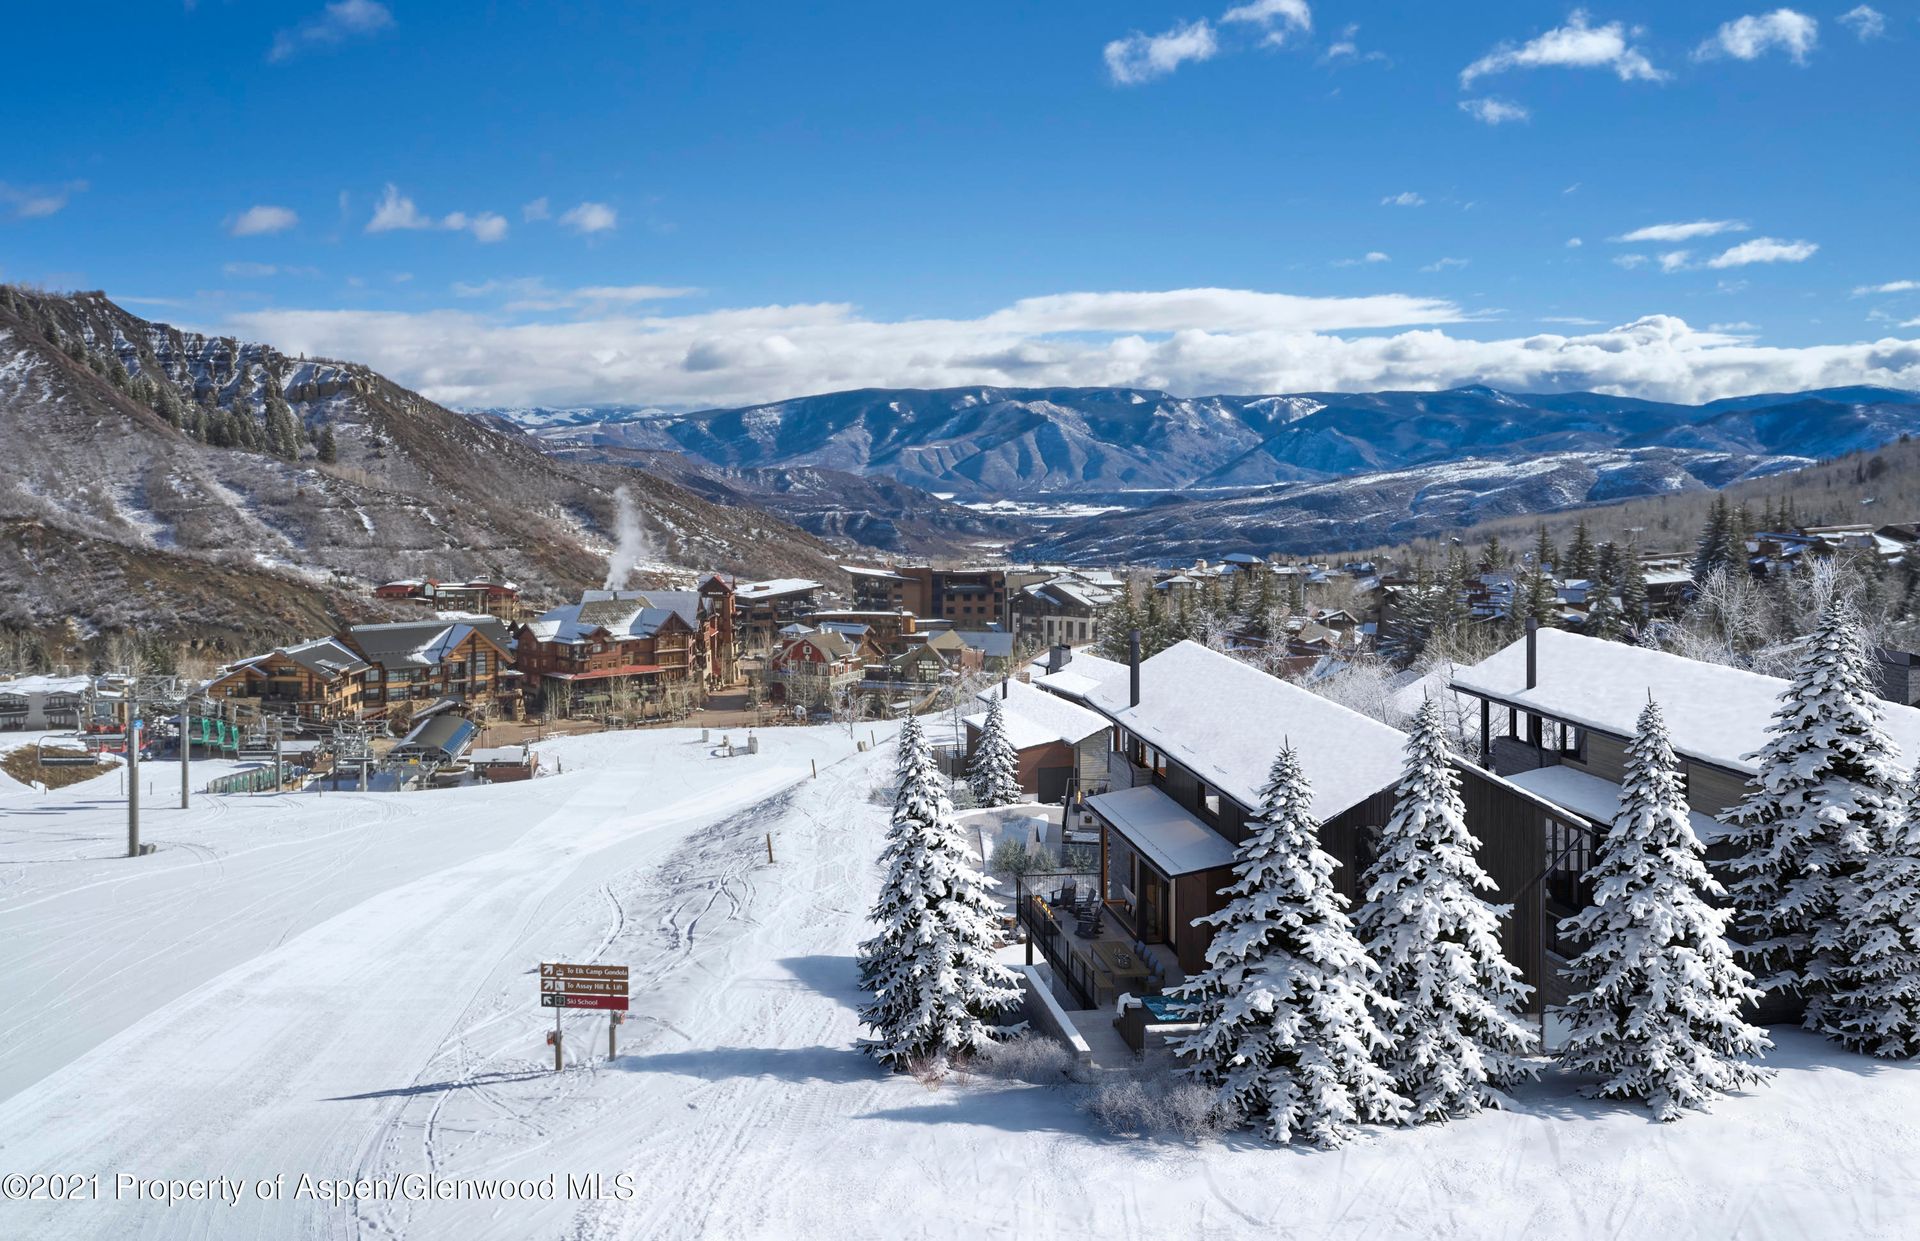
(711, 203)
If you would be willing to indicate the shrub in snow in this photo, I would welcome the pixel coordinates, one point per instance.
(1657, 990)
(1455, 1034)
(1028, 1058)
(1013, 856)
(1874, 992)
(1130, 1107)
(936, 987)
(1824, 792)
(1287, 1001)
(993, 773)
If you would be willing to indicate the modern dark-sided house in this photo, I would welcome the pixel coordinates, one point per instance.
(1194, 735)
(1557, 711)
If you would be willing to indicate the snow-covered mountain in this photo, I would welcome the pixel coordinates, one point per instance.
(138, 454)
(995, 443)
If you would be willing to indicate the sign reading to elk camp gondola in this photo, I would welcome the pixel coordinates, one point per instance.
(583, 986)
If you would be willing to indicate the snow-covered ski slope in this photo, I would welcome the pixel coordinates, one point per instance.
(342, 986)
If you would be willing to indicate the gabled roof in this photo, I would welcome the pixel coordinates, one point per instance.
(992, 645)
(1084, 674)
(327, 657)
(1035, 717)
(774, 588)
(423, 644)
(1225, 721)
(625, 614)
(1716, 714)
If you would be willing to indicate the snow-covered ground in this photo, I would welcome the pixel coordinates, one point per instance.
(342, 985)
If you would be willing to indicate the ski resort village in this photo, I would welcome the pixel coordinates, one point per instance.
(1561, 891)
(1273, 620)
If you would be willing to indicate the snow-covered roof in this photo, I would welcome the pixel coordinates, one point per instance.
(1172, 837)
(422, 643)
(1084, 674)
(860, 571)
(1716, 714)
(1225, 721)
(1035, 717)
(46, 685)
(1595, 799)
(992, 645)
(774, 588)
(622, 613)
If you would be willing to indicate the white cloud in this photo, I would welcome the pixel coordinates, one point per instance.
(1445, 265)
(255, 221)
(1891, 286)
(1865, 21)
(1575, 45)
(1911, 323)
(1573, 320)
(1764, 250)
(1741, 326)
(1753, 36)
(1494, 111)
(34, 202)
(1574, 243)
(1675, 260)
(1277, 18)
(1188, 341)
(531, 293)
(250, 271)
(535, 210)
(1371, 256)
(1629, 261)
(1347, 48)
(590, 218)
(488, 227)
(1142, 58)
(1684, 232)
(394, 211)
(338, 22)
(1405, 198)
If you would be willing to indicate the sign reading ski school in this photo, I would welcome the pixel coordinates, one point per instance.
(583, 986)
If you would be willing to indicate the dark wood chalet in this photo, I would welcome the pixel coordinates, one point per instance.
(1193, 737)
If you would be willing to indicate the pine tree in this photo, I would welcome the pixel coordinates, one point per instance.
(1875, 1002)
(1287, 1002)
(1492, 555)
(328, 449)
(1606, 565)
(1633, 588)
(1118, 619)
(283, 436)
(1545, 557)
(1657, 990)
(994, 772)
(1297, 592)
(1541, 603)
(1580, 554)
(1456, 1036)
(1716, 541)
(1603, 613)
(1826, 790)
(936, 986)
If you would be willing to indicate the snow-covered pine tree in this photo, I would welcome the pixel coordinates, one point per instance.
(1874, 1006)
(1826, 784)
(994, 774)
(1287, 1004)
(1657, 990)
(1603, 614)
(936, 986)
(1456, 1036)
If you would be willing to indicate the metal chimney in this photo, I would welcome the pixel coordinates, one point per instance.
(1533, 652)
(1133, 667)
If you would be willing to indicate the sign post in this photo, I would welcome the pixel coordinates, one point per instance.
(565, 986)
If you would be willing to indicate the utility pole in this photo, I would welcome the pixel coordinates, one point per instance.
(279, 780)
(186, 747)
(132, 735)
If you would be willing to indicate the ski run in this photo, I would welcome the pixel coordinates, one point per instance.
(341, 987)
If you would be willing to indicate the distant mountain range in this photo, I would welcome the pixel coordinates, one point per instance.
(999, 443)
(1210, 475)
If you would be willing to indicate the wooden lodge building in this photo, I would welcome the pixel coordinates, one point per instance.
(316, 681)
(468, 662)
(1192, 736)
(647, 640)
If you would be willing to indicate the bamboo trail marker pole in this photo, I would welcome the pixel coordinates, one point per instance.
(769, 848)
